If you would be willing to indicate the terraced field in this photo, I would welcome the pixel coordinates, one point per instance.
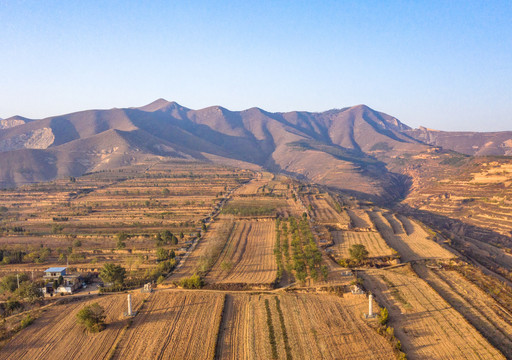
(304, 327)
(428, 327)
(248, 256)
(480, 309)
(411, 244)
(323, 212)
(171, 324)
(56, 334)
(373, 242)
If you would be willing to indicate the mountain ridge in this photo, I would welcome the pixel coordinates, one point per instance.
(349, 148)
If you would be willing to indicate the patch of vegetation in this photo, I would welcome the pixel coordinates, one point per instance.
(193, 282)
(283, 329)
(271, 334)
(26, 321)
(113, 274)
(381, 146)
(248, 209)
(92, 317)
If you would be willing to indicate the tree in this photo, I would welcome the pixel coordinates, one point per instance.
(165, 191)
(9, 283)
(358, 252)
(162, 254)
(384, 316)
(92, 317)
(112, 273)
(28, 290)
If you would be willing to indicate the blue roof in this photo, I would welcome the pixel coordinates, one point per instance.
(55, 269)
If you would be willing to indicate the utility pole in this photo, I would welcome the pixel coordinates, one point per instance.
(18, 279)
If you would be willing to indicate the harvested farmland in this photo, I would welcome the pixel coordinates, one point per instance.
(413, 244)
(174, 324)
(373, 242)
(248, 256)
(56, 334)
(302, 327)
(478, 307)
(428, 327)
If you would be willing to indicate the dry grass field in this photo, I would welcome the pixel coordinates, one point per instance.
(56, 335)
(413, 244)
(174, 325)
(427, 326)
(248, 256)
(373, 242)
(309, 327)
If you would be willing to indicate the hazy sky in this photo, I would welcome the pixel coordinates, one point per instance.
(444, 65)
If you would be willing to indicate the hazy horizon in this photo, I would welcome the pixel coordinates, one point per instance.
(432, 64)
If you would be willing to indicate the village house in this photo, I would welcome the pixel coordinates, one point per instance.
(66, 283)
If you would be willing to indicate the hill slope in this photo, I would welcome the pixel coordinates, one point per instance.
(348, 148)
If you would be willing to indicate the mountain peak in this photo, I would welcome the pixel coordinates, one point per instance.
(159, 104)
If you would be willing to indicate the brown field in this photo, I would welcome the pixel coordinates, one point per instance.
(480, 309)
(174, 324)
(206, 252)
(413, 245)
(373, 242)
(322, 212)
(317, 327)
(428, 327)
(359, 218)
(56, 335)
(140, 201)
(248, 256)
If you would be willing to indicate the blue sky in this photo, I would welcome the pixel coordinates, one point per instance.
(441, 64)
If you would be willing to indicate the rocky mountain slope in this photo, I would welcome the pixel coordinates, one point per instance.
(349, 149)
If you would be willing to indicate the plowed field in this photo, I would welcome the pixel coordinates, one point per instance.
(248, 256)
(411, 245)
(428, 327)
(311, 327)
(373, 242)
(56, 334)
(174, 325)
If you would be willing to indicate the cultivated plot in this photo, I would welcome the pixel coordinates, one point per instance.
(412, 245)
(373, 242)
(248, 256)
(303, 327)
(173, 325)
(56, 334)
(428, 327)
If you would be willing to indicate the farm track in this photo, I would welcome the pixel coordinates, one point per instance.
(428, 327)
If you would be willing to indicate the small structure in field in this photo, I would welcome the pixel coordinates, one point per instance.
(130, 313)
(371, 314)
(357, 290)
(147, 288)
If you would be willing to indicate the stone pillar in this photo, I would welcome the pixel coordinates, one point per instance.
(130, 305)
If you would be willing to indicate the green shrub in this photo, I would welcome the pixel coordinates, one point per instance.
(193, 282)
(26, 321)
(92, 317)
